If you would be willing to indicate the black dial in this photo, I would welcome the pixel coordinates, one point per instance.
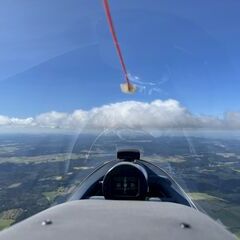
(125, 185)
(125, 181)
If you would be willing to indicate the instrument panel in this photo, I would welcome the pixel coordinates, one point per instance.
(127, 181)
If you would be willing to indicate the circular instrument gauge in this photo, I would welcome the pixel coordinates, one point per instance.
(126, 181)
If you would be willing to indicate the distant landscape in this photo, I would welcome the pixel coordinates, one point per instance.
(40, 170)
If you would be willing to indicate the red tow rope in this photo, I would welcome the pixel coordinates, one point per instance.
(115, 40)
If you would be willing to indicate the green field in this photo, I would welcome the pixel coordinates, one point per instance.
(50, 196)
(197, 196)
(219, 209)
(4, 223)
(230, 217)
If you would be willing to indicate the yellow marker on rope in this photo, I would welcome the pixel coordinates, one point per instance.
(128, 88)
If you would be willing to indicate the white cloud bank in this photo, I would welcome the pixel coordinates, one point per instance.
(154, 115)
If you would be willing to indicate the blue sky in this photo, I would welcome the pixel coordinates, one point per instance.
(59, 55)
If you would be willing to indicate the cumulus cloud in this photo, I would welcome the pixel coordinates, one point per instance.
(4, 120)
(158, 114)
